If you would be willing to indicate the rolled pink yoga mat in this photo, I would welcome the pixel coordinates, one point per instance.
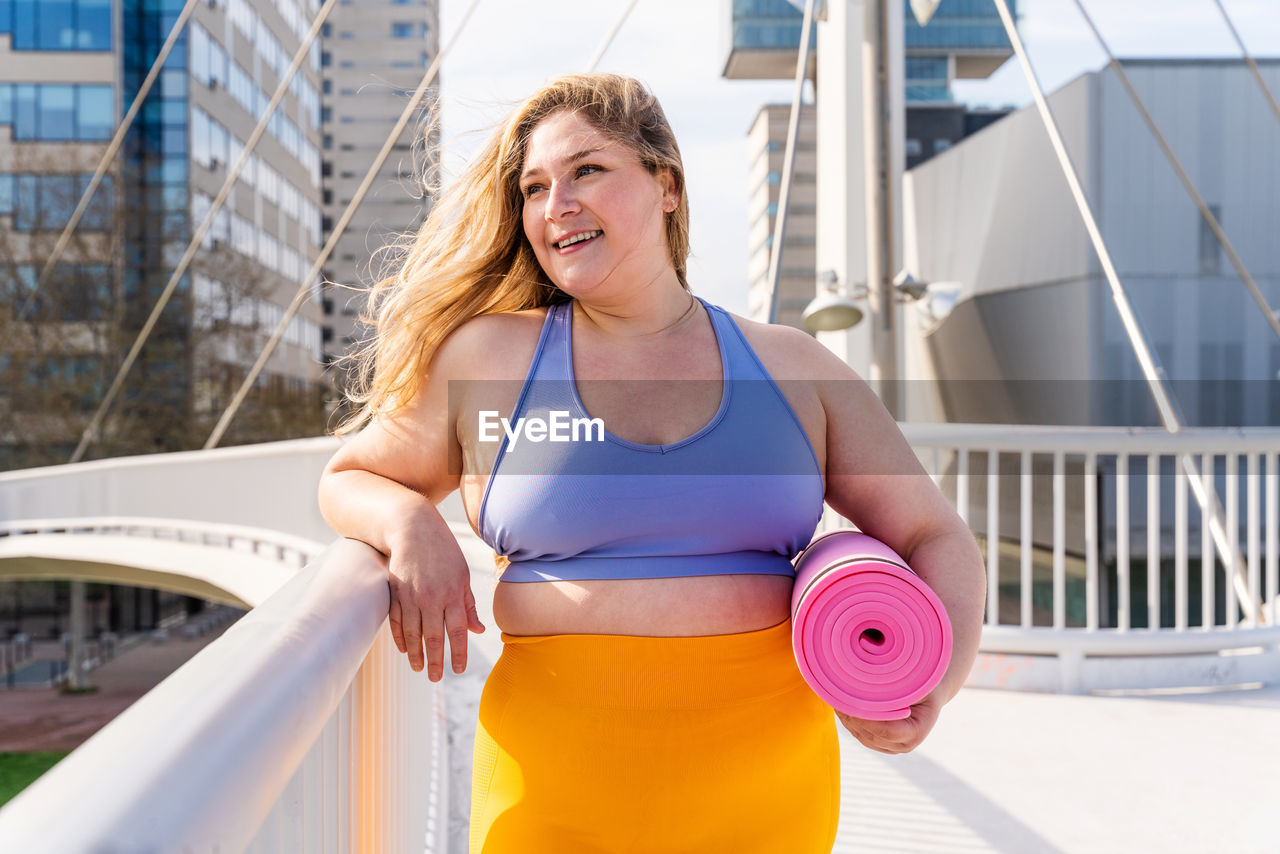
(869, 636)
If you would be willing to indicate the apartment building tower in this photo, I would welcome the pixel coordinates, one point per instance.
(375, 54)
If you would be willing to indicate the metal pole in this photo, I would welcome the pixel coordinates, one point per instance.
(75, 655)
(881, 237)
(789, 162)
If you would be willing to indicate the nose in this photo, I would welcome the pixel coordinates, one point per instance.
(562, 201)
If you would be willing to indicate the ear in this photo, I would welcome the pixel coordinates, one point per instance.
(670, 192)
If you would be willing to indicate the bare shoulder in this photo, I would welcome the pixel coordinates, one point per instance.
(792, 354)
(492, 346)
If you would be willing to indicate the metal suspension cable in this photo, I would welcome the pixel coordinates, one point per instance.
(87, 437)
(1267, 311)
(1152, 372)
(1253, 66)
(410, 108)
(789, 161)
(109, 155)
(608, 39)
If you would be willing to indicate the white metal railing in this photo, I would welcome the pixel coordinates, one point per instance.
(275, 545)
(300, 729)
(1094, 550)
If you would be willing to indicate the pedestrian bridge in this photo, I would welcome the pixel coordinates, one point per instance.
(303, 729)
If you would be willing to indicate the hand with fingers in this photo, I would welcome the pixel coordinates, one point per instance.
(431, 600)
(894, 737)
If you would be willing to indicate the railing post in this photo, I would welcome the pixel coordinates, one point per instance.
(1122, 542)
(1091, 544)
(1025, 545)
(1059, 544)
(993, 537)
(1153, 542)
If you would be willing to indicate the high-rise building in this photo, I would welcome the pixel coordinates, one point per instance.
(68, 71)
(375, 54)
(964, 39)
(766, 143)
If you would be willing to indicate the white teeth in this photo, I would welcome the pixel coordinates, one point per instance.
(577, 238)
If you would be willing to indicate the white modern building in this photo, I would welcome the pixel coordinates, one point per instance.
(1021, 326)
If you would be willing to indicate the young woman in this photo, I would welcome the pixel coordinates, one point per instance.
(647, 698)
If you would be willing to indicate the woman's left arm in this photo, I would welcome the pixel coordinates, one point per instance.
(874, 479)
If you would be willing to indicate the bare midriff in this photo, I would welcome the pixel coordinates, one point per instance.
(652, 607)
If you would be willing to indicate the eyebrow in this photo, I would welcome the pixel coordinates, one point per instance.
(573, 158)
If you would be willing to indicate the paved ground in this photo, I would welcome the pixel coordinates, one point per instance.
(1022, 772)
(47, 719)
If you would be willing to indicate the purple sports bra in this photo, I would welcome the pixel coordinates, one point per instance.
(742, 495)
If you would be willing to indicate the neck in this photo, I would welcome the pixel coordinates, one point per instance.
(660, 307)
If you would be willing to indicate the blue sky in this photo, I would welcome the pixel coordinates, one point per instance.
(678, 48)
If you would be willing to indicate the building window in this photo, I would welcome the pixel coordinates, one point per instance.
(913, 148)
(58, 112)
(57, 24)
(941, 145)
(402, 30)
(44, 202)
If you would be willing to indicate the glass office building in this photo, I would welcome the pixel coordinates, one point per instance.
(964, 39)
(71, 69)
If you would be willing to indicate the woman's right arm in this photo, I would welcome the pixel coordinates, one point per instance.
(382, 487)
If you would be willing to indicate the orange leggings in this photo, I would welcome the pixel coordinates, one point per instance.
(616, 743)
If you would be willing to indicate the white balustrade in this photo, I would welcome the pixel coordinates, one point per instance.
(300, 729)
(1083, 525)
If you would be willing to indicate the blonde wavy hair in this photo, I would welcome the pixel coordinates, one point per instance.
(471, 257)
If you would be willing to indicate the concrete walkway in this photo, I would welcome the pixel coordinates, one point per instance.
(1047, 773)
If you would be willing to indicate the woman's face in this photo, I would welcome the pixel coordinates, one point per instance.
(593, 213)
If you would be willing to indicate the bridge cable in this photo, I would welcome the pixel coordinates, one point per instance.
(789, 162)
(87, 437)
(1170, 415)
(1253, 66)
(109, 155)
(608, 39)
(410, 108)
(1212, 221)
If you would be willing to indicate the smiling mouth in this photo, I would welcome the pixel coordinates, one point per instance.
(580, 237)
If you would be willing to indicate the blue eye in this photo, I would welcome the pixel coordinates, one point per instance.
(530, 190)
(587, 169)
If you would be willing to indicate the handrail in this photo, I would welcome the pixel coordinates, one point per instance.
(209, 751)
(305, 549)
(1080, 440)
(1043, 640)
